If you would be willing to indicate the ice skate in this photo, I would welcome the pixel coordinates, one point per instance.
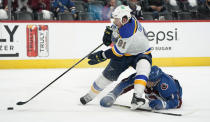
(137, 102)
(86, 99)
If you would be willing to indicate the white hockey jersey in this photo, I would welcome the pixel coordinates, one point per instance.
(132, 41)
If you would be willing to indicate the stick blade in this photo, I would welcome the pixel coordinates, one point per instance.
(148, 110)
(20, 103)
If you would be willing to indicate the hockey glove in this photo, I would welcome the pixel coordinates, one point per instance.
(96, 58)
(157, 104)
(107, 36)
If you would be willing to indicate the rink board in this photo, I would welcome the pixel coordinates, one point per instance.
(67, 63)
(56, 44)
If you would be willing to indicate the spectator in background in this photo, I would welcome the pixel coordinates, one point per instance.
(156, 6)
(136, 9)
(204, 9)
(4, 8)
(42, 6)
(95, 9)
(124, 2)
(3, 13)
(108, 9)
(183, 9)
(119, 2)
(23, 6)
(60, 6)
(193, 3)
(38, 6)
(85, 1)
(186, 5)
(1, 4)
(14, 5)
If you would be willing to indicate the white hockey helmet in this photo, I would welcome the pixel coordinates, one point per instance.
(122, 11)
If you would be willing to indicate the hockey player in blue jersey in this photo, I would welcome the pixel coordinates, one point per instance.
(131, 48)
(162, 90)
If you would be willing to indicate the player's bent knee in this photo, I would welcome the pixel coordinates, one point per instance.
(102, 82)
(111, 76)
(143, 67)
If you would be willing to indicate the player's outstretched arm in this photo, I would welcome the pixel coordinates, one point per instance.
(170, 103)
(174, 101)
(96, 58)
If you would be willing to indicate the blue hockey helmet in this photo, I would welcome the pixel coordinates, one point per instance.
(155, 74)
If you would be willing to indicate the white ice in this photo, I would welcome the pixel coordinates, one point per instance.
(60, 101)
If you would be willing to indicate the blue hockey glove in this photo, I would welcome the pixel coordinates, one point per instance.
(107, 38)
(157, 104)
(96, 58)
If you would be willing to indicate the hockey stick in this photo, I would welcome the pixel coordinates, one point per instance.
(22, 103)
(148, 110)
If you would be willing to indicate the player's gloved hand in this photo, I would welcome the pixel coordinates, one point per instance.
(157, 104)
(107, 38)
(96, 58)
(136, 102)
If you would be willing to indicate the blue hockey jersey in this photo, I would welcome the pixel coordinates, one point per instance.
(168, 89)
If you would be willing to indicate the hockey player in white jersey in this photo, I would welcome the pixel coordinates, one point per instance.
(131, 48)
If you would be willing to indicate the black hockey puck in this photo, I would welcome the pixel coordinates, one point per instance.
(10, 108)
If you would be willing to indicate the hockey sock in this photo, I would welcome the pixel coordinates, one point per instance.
(139, 85)
(100, 83)
(143, 68)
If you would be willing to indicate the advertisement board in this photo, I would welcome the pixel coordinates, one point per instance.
(62, 44)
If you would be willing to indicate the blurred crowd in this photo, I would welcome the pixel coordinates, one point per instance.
(102, 9)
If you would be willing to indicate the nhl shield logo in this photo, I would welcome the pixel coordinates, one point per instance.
(164, 86)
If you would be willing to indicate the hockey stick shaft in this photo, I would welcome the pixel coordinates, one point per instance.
(21, 103)
(149, 110)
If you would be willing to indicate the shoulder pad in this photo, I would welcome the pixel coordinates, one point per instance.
(128, 29)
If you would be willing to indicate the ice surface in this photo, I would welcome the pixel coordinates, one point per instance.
(60, 101)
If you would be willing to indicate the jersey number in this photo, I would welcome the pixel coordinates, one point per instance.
(121, 44)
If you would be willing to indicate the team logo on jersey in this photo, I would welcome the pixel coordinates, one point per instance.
(164, 86)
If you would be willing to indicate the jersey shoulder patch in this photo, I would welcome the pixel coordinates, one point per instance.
(164, 86)
(128, 29)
